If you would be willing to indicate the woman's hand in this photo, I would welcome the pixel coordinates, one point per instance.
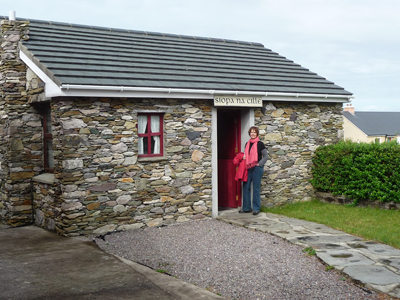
(244, 156)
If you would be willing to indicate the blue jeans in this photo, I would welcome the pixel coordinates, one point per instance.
(254, 176)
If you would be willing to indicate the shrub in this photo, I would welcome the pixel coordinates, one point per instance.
(358, 170)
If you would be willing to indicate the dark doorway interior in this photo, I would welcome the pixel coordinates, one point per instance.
(229, 130)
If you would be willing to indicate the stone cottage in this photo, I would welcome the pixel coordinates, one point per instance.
(107, 129)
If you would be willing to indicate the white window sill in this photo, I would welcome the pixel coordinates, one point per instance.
(47, 178)
(152, 159)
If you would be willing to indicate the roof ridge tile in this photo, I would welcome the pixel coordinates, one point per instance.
(148, 33)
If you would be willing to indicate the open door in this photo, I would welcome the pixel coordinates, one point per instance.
(229, 131)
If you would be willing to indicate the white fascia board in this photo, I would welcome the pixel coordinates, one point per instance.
(146, 92)
(124, 93)
(308, 98)
(51, 88)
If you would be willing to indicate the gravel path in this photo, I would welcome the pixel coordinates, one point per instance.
(232, 261)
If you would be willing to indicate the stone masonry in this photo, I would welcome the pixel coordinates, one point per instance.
(102, 181)
(99, 182)
(20, 129)
(105, 187)
(291, 132)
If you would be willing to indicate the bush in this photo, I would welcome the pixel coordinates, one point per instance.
(358, 170)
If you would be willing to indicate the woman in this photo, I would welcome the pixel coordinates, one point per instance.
(256, 156)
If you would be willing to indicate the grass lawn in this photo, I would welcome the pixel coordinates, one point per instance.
(372, 224)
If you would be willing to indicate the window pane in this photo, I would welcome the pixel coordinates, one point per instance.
(155, 123)
(145, 145)
(47, 117)
(141, 149)
(142, 124)
(155, 145)
(50, 154)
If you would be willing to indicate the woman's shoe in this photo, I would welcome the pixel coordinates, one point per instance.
(256, 213)
(244, 211)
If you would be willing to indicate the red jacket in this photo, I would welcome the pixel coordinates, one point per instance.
(241, 172)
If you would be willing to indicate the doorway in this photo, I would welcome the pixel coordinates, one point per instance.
(229, 145)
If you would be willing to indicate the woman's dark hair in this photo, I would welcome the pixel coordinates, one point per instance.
(255, 128)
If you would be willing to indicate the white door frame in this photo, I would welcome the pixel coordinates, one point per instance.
(247, 120)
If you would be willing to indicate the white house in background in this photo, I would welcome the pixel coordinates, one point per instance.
(366, 126)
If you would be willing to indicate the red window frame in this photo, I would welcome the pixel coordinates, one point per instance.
(150, 134)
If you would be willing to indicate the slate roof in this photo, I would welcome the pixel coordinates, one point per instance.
(375, 123)
(87, 55)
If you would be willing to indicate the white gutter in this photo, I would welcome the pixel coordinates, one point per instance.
(54, 90)
(204, 94)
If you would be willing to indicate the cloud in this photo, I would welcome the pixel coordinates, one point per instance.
(336, 20)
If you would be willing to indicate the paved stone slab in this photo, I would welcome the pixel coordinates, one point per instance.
(393, 262)
(329, 246)
(319, 228)
(332, 239)
(376, 275)
(391, 289)
(376, 249)
(343, 258)
(292, 235)
(270, 227)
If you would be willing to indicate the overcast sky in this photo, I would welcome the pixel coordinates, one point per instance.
(354, 43)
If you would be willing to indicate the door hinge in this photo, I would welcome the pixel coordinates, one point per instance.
(237, 197)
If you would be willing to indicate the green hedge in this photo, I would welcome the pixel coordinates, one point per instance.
(358, 170)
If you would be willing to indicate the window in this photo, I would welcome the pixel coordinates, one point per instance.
(377, 140)
(150, 132)
(47, 139)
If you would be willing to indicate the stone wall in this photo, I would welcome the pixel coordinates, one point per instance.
(20, 129)
(291, 132)
(344, 200)
(46, 200)
(105, 187)
(101, 185)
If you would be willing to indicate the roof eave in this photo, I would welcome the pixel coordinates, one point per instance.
(138, 92)
(53, 88)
